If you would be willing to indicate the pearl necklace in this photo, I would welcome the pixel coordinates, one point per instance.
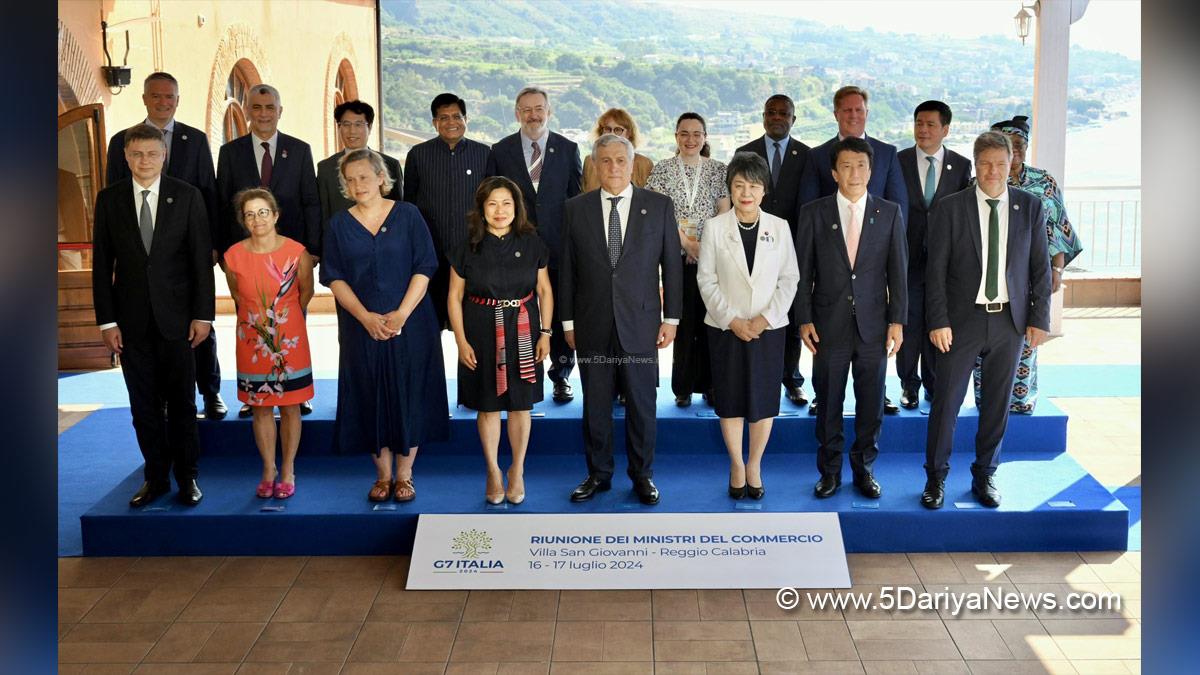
(747, 229)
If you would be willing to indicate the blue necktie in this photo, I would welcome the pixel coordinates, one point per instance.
(614, 232)
(930, 182)
(146, 221)
(776, 162)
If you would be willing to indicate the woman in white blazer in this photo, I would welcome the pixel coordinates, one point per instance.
(747, 277)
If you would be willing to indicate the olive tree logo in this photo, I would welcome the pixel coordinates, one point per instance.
(471, 544)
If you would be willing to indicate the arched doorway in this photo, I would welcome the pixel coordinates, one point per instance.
(242, 77)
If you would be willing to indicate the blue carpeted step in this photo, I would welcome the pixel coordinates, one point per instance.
(556, 428)
(1050, 504)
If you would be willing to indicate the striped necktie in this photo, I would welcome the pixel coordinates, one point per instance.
(614, 232)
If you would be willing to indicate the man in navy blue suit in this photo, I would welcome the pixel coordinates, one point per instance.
(267, 158)
(851, 111)
(189, 160)
(547, 168)
(987, 288)
(932, 172)
(851, 304)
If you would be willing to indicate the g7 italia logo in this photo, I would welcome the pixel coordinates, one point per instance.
(470, 546)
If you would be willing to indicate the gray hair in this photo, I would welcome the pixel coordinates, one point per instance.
(377, 166)
(531, 90)
(750, 166)
(993, 140)
(268, 89)
(609, 139)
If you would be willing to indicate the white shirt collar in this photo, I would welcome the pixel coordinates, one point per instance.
(862, 136)
(939, 155)
(627, 194)
(153, 187)
(273, 140)
(168, 128)
(540, 139)
(844, 202)
(983, 196)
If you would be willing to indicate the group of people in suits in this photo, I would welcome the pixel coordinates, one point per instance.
(852, 249)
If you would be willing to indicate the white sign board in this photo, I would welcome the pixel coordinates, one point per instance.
(628, 551)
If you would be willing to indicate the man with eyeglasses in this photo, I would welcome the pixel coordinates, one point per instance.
(152, 287)
(188, 159)
(283, 164)
(547, 168)
(354, 119)
(443, 174)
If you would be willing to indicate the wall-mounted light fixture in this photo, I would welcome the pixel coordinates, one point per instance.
(1023, 19)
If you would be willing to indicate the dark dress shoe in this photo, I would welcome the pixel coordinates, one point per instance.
(148, 493)
(984, 489)
(562, 392)
(827, 486)
(935, 493)
(683, 401)
(214, 407)
(189, 493)
(868, 486)
(755, 492)
(812, 408)
(588, 489)
(708, 398)
(306, 408)
(908, 400)
(795, 395)
(245, 411)
(646, 491)
(737, 492)
(889, 408)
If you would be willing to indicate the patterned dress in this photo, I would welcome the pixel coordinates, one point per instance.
(1062, 238)
(274, 367)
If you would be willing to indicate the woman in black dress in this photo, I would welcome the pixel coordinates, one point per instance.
(747, 277)
(500, 307)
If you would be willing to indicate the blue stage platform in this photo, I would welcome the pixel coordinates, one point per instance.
(1050, 502)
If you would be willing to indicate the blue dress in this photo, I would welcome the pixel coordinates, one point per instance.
(391, 393)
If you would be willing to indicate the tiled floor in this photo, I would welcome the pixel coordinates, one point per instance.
(352, 615)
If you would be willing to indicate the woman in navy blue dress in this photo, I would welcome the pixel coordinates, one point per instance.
(378, 259)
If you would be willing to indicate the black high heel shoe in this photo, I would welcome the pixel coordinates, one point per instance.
(737, 492)
(755, 492)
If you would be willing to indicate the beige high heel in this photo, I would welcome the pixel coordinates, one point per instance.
(494, 498)
(512, 495)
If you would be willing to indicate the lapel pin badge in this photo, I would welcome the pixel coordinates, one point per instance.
(1016, 207)
(517, 254)
(285, 154)
(643, 212)
(468, 172)
(835, 226)
(871, 221)
(550, 149)
(170, 200)
(948, 167)
(184, 137)
(793, 152)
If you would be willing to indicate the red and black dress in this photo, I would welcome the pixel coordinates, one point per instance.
(500, 301)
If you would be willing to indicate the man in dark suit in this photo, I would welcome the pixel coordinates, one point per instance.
(787, 158)
(932, 172)
(267, 158)
(152, 286)
(354, 120)
(189, 160)
(987, 287)
(547, 168)
(615, 242)
(851, 304)
(851, 111)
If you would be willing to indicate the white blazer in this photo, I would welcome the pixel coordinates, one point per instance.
(729, 290)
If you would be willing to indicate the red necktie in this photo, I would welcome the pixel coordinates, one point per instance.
(265, 170)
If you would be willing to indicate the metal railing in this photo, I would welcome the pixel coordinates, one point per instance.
(1108, 219)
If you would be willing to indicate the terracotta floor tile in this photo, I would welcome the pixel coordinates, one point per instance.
(936, 568)
(180, 573)
(703, 650)
(1021, 668)
(139, 605)
(325, 604)
(601, 668)
(230, 642)
(581, 641)
(91, 572)
(1026, 639)
(702, 630)
(675, 605)
(620, 606)
(811, 667)
(978, 640)
(778, 641)
(721, 605)
(504, 641)
(390, 610)
(534, 606)
(380, 641)
(488, 606)
(827, 641)
(181, 643)
(1086, 639)
(303, 642)
(258, 572)
(74, 603)
(897, 649)
(186, 669)
(109, 642)
(429, 641)
(628, 641)
(405, 668)
(942, 667)
(233, 604)
(890, 668)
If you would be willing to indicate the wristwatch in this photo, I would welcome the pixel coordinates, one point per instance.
(547, 331)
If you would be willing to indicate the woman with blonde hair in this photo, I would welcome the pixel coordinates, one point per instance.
(617, 121)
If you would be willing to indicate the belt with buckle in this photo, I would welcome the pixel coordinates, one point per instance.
(992, 307)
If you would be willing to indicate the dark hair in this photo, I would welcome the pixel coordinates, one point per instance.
(705, 151)
(241, 198)
(851, 144)
(780, 97)
(160, 75)
(443, 100)
(361, 107)
(750, 166)
(477, 225)
(144, 132)
(940, 108)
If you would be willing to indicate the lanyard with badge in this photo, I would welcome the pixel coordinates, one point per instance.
(690, 190)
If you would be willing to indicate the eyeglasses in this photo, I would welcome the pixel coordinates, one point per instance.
(261, 213)
(450, 118)
(537, 109)
(353, 125)
(613, 130)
